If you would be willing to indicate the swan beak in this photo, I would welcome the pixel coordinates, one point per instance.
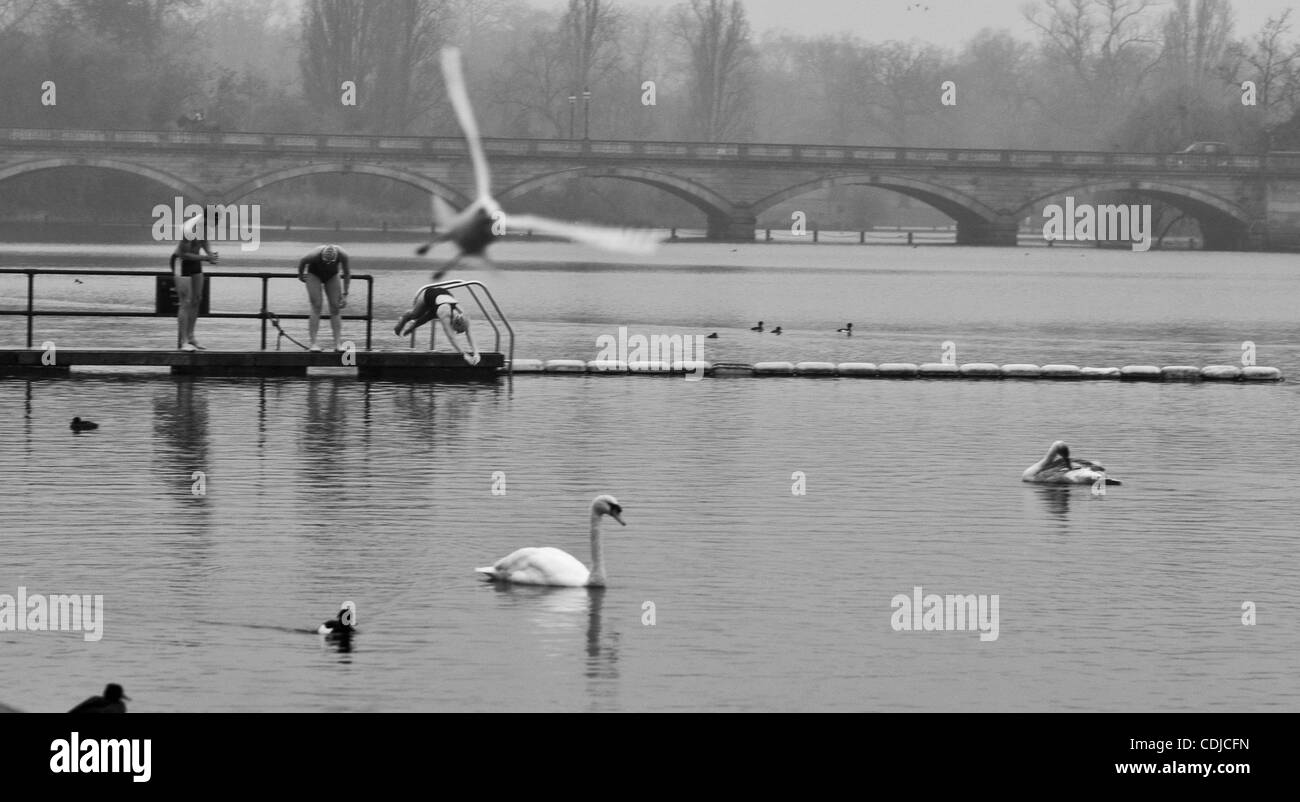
(617, 517)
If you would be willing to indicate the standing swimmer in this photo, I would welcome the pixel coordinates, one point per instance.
(191, 252)
(320, 269)
(438, 302)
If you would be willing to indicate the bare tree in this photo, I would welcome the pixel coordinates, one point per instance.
(590, 32)
(1196, 37)
(905, 79)
(405, 36)
(644, 58)
(1105, 43)
(334, 41)
(1274, 66)
(1098, 57)
(532, 84)
(716, 36)
(386, 49)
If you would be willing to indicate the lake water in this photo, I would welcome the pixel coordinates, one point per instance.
(326, 489)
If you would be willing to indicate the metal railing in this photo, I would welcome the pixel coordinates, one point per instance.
(265, 314)
(862, 156)
(496, 332)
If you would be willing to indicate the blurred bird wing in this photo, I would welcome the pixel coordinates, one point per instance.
(443, 214)
(455, 80)
(191, 225)
(622, 240)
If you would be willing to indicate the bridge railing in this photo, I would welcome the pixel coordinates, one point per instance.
(866, 156)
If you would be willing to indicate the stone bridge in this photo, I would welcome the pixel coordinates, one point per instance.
(1241, 202)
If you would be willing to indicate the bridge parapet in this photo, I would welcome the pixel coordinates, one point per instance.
(830, 155)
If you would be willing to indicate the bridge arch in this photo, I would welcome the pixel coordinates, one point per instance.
(179, 185)
(1224, 224)
(718, 209)
(977, 223)
(425, 183)
(955, 204)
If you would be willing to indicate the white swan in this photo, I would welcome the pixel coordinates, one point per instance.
(548, 566)
(1058, 468)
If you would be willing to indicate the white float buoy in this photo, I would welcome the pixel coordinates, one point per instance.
(1221, 373)
(1140, 373)
(648, 366)
(1021, 371)
(857, 369)
(1061, 372)
(1180, 373)
(1099, 373)
(981, 370)
(691, 366)
(566, 366)
(1255, 373)
(938, 370)
(897, 370)
(773, 369)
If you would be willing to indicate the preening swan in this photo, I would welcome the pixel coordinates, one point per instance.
(1058, 468)
(548, 566)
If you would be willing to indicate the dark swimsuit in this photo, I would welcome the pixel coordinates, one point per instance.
(437, 297)
(189, 267)
(318, 267)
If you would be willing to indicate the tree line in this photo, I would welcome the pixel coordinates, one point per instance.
(1097, 74)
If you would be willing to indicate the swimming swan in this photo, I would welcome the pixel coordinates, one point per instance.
(548, 566)
(1057, 468)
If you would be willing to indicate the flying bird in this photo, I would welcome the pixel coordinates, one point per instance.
(473, 228)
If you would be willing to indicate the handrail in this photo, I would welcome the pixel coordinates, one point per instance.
(496, 332)
(31, 312)
(865, 155)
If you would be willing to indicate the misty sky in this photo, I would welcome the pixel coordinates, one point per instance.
(946, 23)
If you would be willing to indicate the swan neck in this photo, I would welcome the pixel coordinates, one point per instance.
(597, 552)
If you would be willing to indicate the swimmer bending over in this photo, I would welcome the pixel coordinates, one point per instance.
(320, 270)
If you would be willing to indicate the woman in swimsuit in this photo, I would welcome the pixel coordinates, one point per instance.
(188, 276)
(320, 270)
(440, 303)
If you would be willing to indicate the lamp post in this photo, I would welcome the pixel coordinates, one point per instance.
(586, 114)
(573, 105)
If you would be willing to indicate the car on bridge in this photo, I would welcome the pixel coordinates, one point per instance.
(1202, 154)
